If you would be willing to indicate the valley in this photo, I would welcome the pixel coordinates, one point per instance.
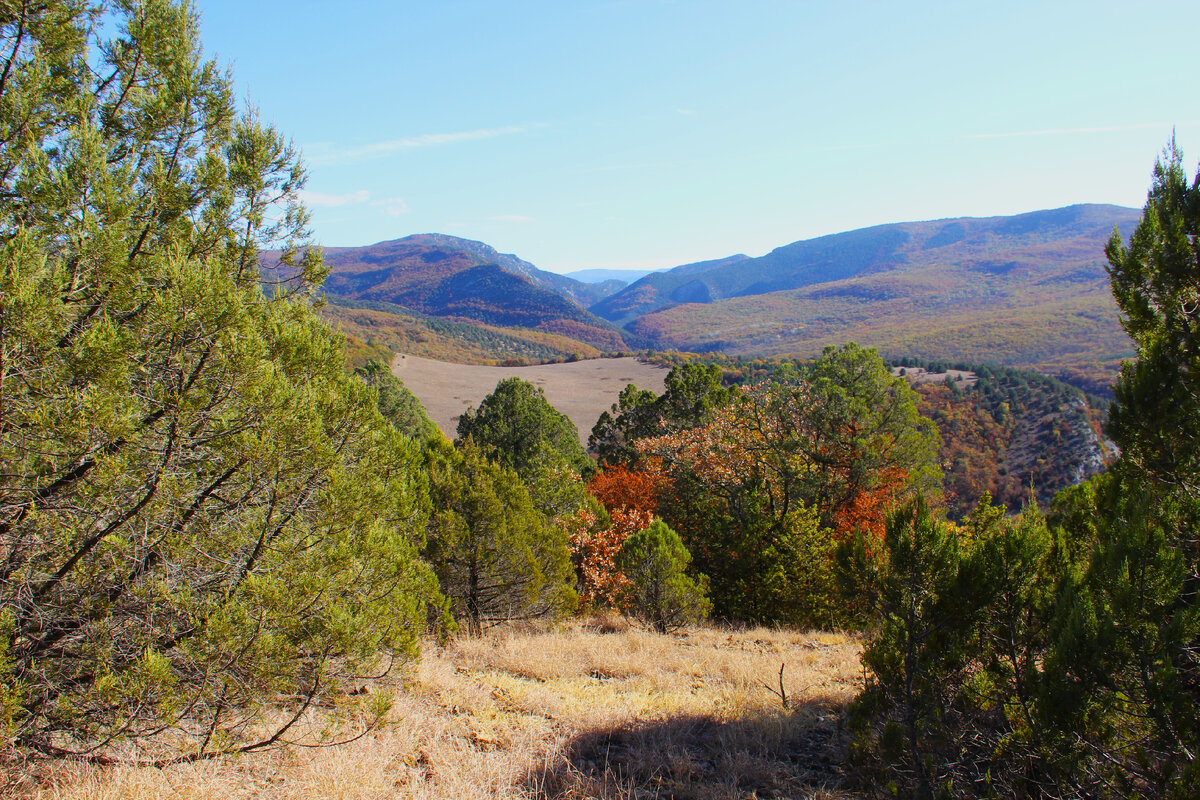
(1027, 291)
(904, 511)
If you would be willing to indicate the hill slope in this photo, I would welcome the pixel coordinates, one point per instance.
(1025, 290)
(380, 330)
(444, 276)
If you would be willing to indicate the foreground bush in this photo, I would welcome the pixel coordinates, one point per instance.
(200, 513)
(1022, 660)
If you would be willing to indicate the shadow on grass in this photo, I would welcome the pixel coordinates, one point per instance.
(793, 754)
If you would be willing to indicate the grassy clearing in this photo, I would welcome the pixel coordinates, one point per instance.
(582, 390)
(595, 710)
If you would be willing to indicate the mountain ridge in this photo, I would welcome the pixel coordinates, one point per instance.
(1030, 290)
(845, 255)
(1027, 290)
(446, 276)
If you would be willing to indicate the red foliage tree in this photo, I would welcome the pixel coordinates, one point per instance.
(631, 498)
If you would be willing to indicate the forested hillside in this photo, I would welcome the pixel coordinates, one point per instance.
(444, 276)
(1055, 245)
(1028, 291)
(381, 330)
(1013, 434)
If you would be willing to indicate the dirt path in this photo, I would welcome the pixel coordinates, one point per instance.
(581, 389)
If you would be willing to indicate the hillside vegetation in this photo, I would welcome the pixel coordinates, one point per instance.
(1029, 290)
(1014, 434)
(380, 330)
(444, 276)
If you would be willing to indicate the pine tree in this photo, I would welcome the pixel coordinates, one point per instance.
(516, 426)
(660, 591)
(1124, 661)
(497, 557)
(200, 512)
(914, 586)
(397, 404)
(1156, 282)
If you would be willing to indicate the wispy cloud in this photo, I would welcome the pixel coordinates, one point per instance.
(520, 218)
(1062, 131)
(323, 200)
(687, 112)
(332, 154)
(392, 206)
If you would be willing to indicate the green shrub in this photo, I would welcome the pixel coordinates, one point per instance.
(660, 591)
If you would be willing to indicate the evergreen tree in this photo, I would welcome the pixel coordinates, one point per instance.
(397, 404)
(1156, 282)
(516, 426)
(634, 416)
(915, 587)
(497, 557)
(660, 591)
(1123, 668)
(200, 512)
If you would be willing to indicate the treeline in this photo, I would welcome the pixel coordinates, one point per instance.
(1008, 433)
(397, 329)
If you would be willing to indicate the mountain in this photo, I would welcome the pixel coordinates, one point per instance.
(431, 247)
(658, 290)
(1016, 241)
(1029, 290)
(623, 276)
(445, 276)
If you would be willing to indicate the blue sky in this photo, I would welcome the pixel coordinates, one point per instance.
(624, 134)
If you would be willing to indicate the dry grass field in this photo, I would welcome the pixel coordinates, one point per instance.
(594, 710)
(580, 389)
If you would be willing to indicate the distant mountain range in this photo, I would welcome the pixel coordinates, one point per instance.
(445, 276)
(1047, 242)
(621, 276)
(1024, 290)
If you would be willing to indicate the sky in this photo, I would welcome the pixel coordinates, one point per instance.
(631, 134)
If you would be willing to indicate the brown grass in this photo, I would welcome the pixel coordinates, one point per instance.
(599, 709)
(582, 389)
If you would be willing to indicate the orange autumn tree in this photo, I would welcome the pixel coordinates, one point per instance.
(760, 492)
(631, 498)
(733, 496)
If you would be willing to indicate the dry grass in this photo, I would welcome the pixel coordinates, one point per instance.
(582, 389)
(596, 710)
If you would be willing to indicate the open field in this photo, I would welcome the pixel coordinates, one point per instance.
(963, 378)
(580, 389)
(596, 710)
